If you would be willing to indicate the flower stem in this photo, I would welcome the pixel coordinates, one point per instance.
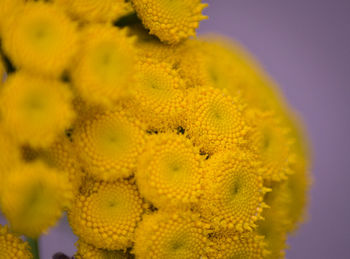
(34, 245)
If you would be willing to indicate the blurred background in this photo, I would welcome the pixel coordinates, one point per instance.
(305, 47)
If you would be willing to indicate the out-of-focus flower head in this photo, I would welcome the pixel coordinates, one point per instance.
(33, 198)
(40, 38)
(104, 65)
(35, 109)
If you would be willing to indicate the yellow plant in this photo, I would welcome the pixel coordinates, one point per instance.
(156, 144)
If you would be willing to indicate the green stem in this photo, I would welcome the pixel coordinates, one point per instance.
(34, 245)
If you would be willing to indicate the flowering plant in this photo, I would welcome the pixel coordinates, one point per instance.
(156, 143)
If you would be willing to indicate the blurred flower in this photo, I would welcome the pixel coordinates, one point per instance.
(34, 109)
(40, 38)
(33, 198)
(105, 64)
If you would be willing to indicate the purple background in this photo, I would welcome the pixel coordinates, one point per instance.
(305, 46)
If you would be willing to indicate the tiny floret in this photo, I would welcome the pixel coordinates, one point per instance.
(33, 198)
(40, 38)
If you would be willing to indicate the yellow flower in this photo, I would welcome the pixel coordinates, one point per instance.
(214, 120)
(172, 236)
(107, 214)
(233, 197)
(109, 144)
(86, 251)
(159, 94)
(272, 140)
(170, 171)
(12, 246)
(40, 38)
(35, 110)
(233, 245)
(170, 21)
(105, 65)
(33, 198)
(96, 11)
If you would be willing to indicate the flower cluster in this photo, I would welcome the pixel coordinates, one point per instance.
(156, 144)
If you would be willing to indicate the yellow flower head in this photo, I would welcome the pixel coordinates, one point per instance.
(234, 193)
(33, 198)
(159, 92)
(274, 146)
(170, 171)
(109, 144)
(172, 236)
(96, 11)
(12, 246)
(35, 110)
(170, 21)
(240, 246)
(87, 251)
(214, 120)
(40, 38)
(105, 65)
(106, 216)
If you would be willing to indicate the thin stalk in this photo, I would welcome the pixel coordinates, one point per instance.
(34, 245)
